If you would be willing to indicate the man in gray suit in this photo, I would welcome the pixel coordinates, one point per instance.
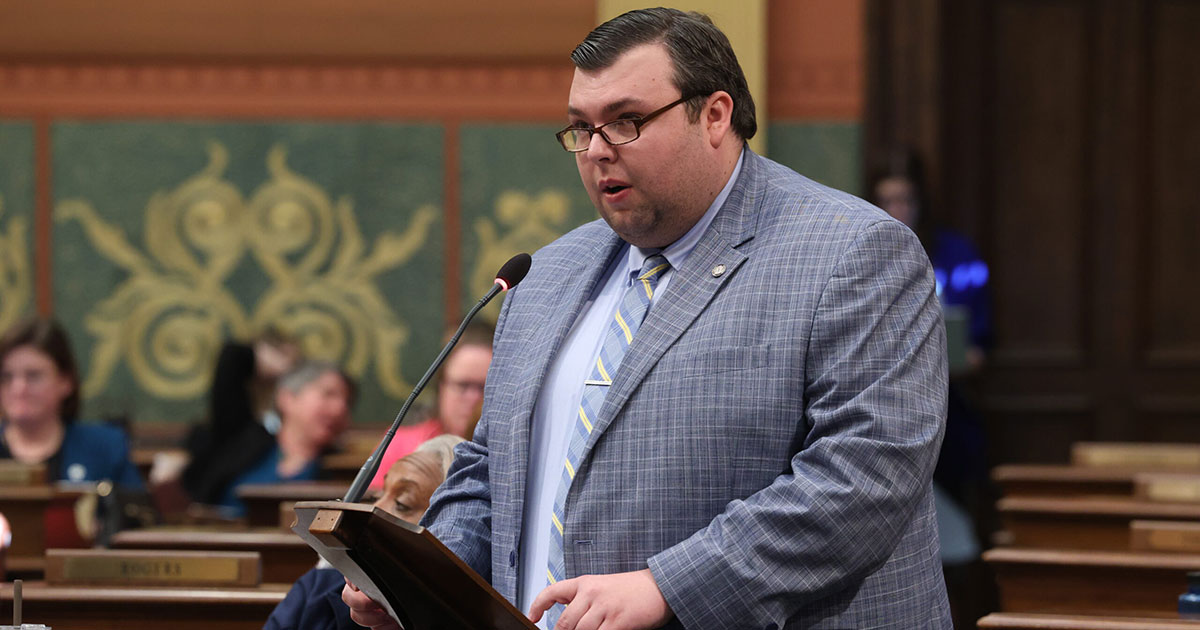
(719, 407)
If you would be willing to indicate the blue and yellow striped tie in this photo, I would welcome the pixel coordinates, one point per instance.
(625, 324)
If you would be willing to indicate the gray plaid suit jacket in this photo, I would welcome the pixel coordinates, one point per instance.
(768, 442)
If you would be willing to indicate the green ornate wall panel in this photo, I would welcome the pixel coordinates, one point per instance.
(520, 191)
(16, 221)
(830, 153)
(170, 237)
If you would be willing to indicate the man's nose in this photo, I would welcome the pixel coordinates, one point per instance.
(599, 148)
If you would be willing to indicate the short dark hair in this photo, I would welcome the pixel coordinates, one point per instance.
(703, 58)
(49, 338)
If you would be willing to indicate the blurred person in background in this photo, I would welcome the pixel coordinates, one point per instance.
(241, 398)
(315, 600)
(459, 397)
(313, 402)
(39, 406)
(899, 188)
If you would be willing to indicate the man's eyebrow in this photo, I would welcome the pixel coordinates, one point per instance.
(611, 108)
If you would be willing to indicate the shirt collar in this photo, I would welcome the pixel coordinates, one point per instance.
(676, 253)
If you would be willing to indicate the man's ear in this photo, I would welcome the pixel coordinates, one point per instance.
(718, 117)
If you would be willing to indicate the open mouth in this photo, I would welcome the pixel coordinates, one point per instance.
(612, 190)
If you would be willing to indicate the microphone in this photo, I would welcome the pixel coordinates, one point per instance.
(509, 275)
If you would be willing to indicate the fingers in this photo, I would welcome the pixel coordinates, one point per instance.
(365, 611)
(561, 593)
(592, 617)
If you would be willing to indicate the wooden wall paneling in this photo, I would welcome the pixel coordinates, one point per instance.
(1117, 115)
(1040, 223)
(967, 97)
(1170, 207)
(1064, 133)
(903, 107)
(1166, 418)
(1032, 428)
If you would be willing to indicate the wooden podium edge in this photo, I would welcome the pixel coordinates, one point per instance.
(338, 555)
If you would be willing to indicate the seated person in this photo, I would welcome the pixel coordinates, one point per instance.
(313, 402)
(241, 398)
(39, 402)
(315, 601)
(459, 397)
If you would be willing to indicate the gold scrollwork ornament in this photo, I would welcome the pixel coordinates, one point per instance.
(166, 320)
(16, 277)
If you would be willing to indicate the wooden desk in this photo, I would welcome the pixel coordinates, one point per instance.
(1043, 480)
(1024, 621)
(1128, 583)
(264, 501)
(343, 467)
(101, 608)
(1081, 522)
(40, 517)
(285, 557)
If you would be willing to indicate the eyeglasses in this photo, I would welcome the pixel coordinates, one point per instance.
(617, 132)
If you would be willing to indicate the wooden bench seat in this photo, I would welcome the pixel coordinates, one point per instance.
(105, 608)
(1083, 522)
(1042, 480)
(1025, 621)
(1128, 583)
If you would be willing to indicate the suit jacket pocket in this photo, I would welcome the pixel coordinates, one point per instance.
(720, 360)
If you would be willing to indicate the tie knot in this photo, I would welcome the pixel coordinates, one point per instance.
(654, 267)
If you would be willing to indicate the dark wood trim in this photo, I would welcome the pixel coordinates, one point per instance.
(526, 92)
(43, 216)
(452, 173)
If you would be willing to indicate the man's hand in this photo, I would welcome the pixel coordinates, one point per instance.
(364, 611)
(621, 601)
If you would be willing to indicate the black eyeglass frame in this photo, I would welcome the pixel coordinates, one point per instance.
(637, 127)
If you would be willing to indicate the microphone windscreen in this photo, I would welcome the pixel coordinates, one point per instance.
(514, 271)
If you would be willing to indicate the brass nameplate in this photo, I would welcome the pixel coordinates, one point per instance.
(152, 568)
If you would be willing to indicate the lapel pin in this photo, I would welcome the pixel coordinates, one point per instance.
(718, 271)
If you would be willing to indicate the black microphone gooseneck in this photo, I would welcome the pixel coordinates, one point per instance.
(509, 275)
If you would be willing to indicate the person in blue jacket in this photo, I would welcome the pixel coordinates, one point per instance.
(39, 406)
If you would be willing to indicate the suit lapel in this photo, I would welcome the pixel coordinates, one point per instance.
(711, 264)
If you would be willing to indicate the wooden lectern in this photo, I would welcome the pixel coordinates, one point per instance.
(404, 567)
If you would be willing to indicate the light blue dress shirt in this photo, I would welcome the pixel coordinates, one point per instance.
(563, 388)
